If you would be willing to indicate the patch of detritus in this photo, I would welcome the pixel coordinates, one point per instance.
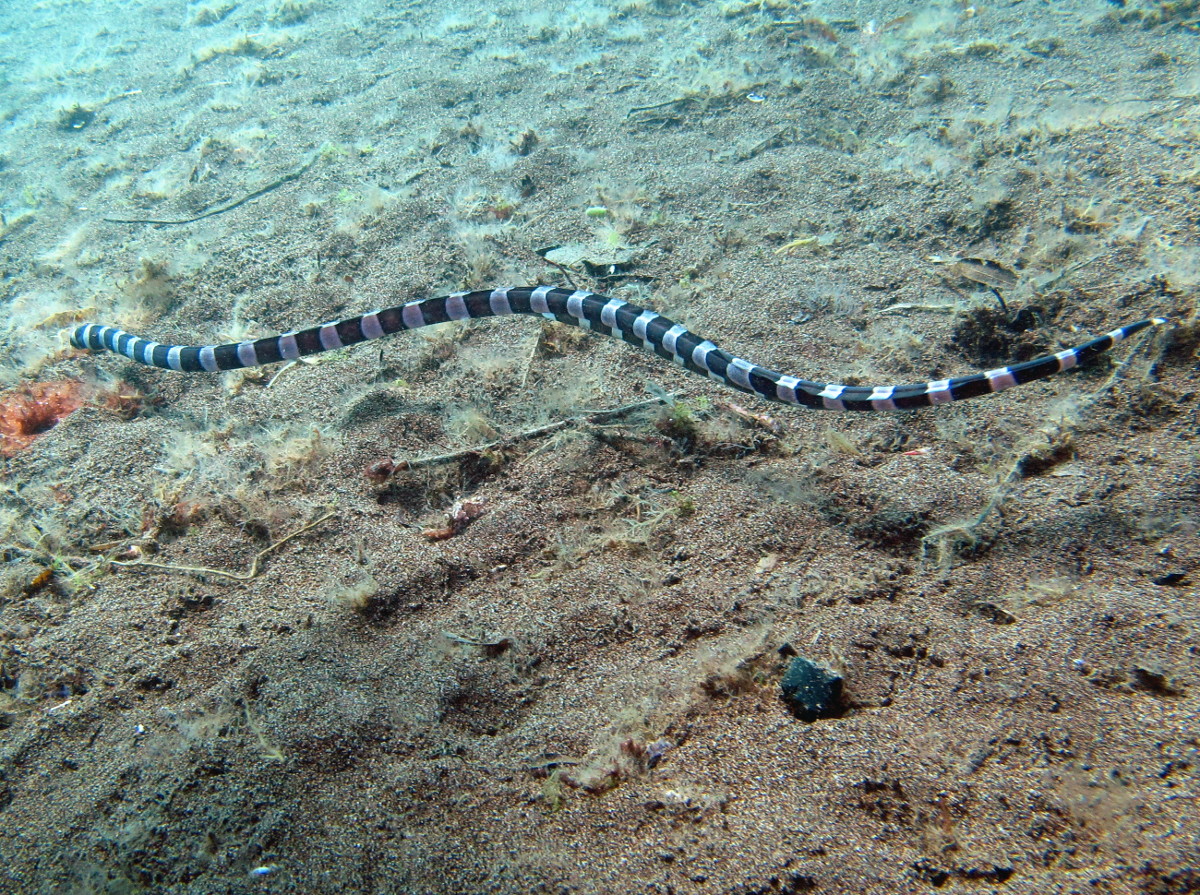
(880, 662)
(484, 695)
(626, 518)
(698, 429)
(726, 674)
(892, 523)
(786, 882)
(1035, 452)
(29, 687)
(935, 818)
(1149, 677)
(431, 583)
(1011, 604)
(420, 491)
(890, 520)
(939, 872)
(990, 336)
(617, 520)
(877, 581)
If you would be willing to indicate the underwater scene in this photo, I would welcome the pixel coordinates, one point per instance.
(819, 514)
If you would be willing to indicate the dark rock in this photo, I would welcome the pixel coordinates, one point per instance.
(811, 691)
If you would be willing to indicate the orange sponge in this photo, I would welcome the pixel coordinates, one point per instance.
(29, 411)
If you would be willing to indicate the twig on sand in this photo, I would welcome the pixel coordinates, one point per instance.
(384, 469)
(212, 212)
(252, 572)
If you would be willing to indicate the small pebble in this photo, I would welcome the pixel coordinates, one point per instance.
(811, 691)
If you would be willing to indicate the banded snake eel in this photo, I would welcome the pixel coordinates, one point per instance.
(610, 316)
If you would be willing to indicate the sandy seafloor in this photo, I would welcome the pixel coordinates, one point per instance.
(1021, 691)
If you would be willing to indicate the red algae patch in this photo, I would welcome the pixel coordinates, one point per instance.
(30, 411)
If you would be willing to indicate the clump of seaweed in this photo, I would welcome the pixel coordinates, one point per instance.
(74, 117)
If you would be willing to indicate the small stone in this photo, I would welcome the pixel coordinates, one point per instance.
(811, 691)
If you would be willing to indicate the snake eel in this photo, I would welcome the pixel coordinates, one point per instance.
(637, 325)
